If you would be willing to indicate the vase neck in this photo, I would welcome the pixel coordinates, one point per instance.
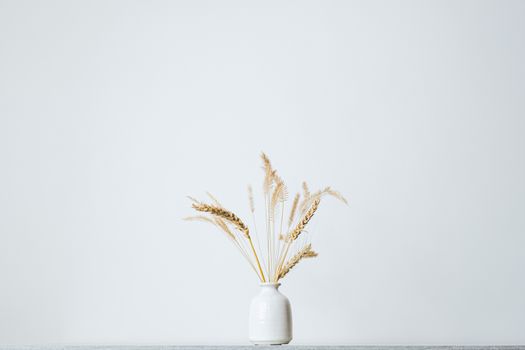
(270, 286)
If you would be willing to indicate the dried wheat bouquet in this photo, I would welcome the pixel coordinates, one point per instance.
(286, 242)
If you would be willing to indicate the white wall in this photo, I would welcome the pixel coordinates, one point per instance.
(112, 112)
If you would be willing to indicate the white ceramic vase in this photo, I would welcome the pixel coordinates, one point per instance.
(270, 317)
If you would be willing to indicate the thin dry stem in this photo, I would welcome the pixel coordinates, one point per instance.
(193, 199)
(201, 218)
(233, 219)
(250, 199)
(222, 225)
(299, 228)
(220, 222)
(216, 221)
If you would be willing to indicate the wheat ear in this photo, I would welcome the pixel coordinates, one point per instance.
(225, 214)
(304, 221)
(292, 236)
(329, 191)
(307, 198)
(233, 219)
(305, 253)
(269, 173)
(293, 210)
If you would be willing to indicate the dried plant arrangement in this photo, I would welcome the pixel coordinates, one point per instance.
(285, 242)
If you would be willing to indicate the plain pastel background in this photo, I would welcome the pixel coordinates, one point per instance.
(111, 112)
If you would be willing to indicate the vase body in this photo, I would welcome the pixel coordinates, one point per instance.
(270, 316)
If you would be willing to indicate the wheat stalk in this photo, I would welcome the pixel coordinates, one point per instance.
(215, 221)
(305, 253)
(233, 219)
(270, 178)
(201, 218)
(222, 225)
(250, 199)
(193, 199)
(292, 236)
(252, 209)
(279, 195)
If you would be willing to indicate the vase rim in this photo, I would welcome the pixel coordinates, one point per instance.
(269, 284)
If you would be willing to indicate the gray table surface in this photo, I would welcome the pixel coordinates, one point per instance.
(259, 347)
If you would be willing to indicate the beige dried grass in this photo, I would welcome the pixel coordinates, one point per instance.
(293, 210)
(214, 200)
(279, 242)
(269, 173)
(225, 214)
(235, 221)
(329, 191)
(304, 221)
(305, 253)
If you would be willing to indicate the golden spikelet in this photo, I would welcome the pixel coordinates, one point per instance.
(225, 214)
(294, 209)
(305, 253)
(304, 221)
